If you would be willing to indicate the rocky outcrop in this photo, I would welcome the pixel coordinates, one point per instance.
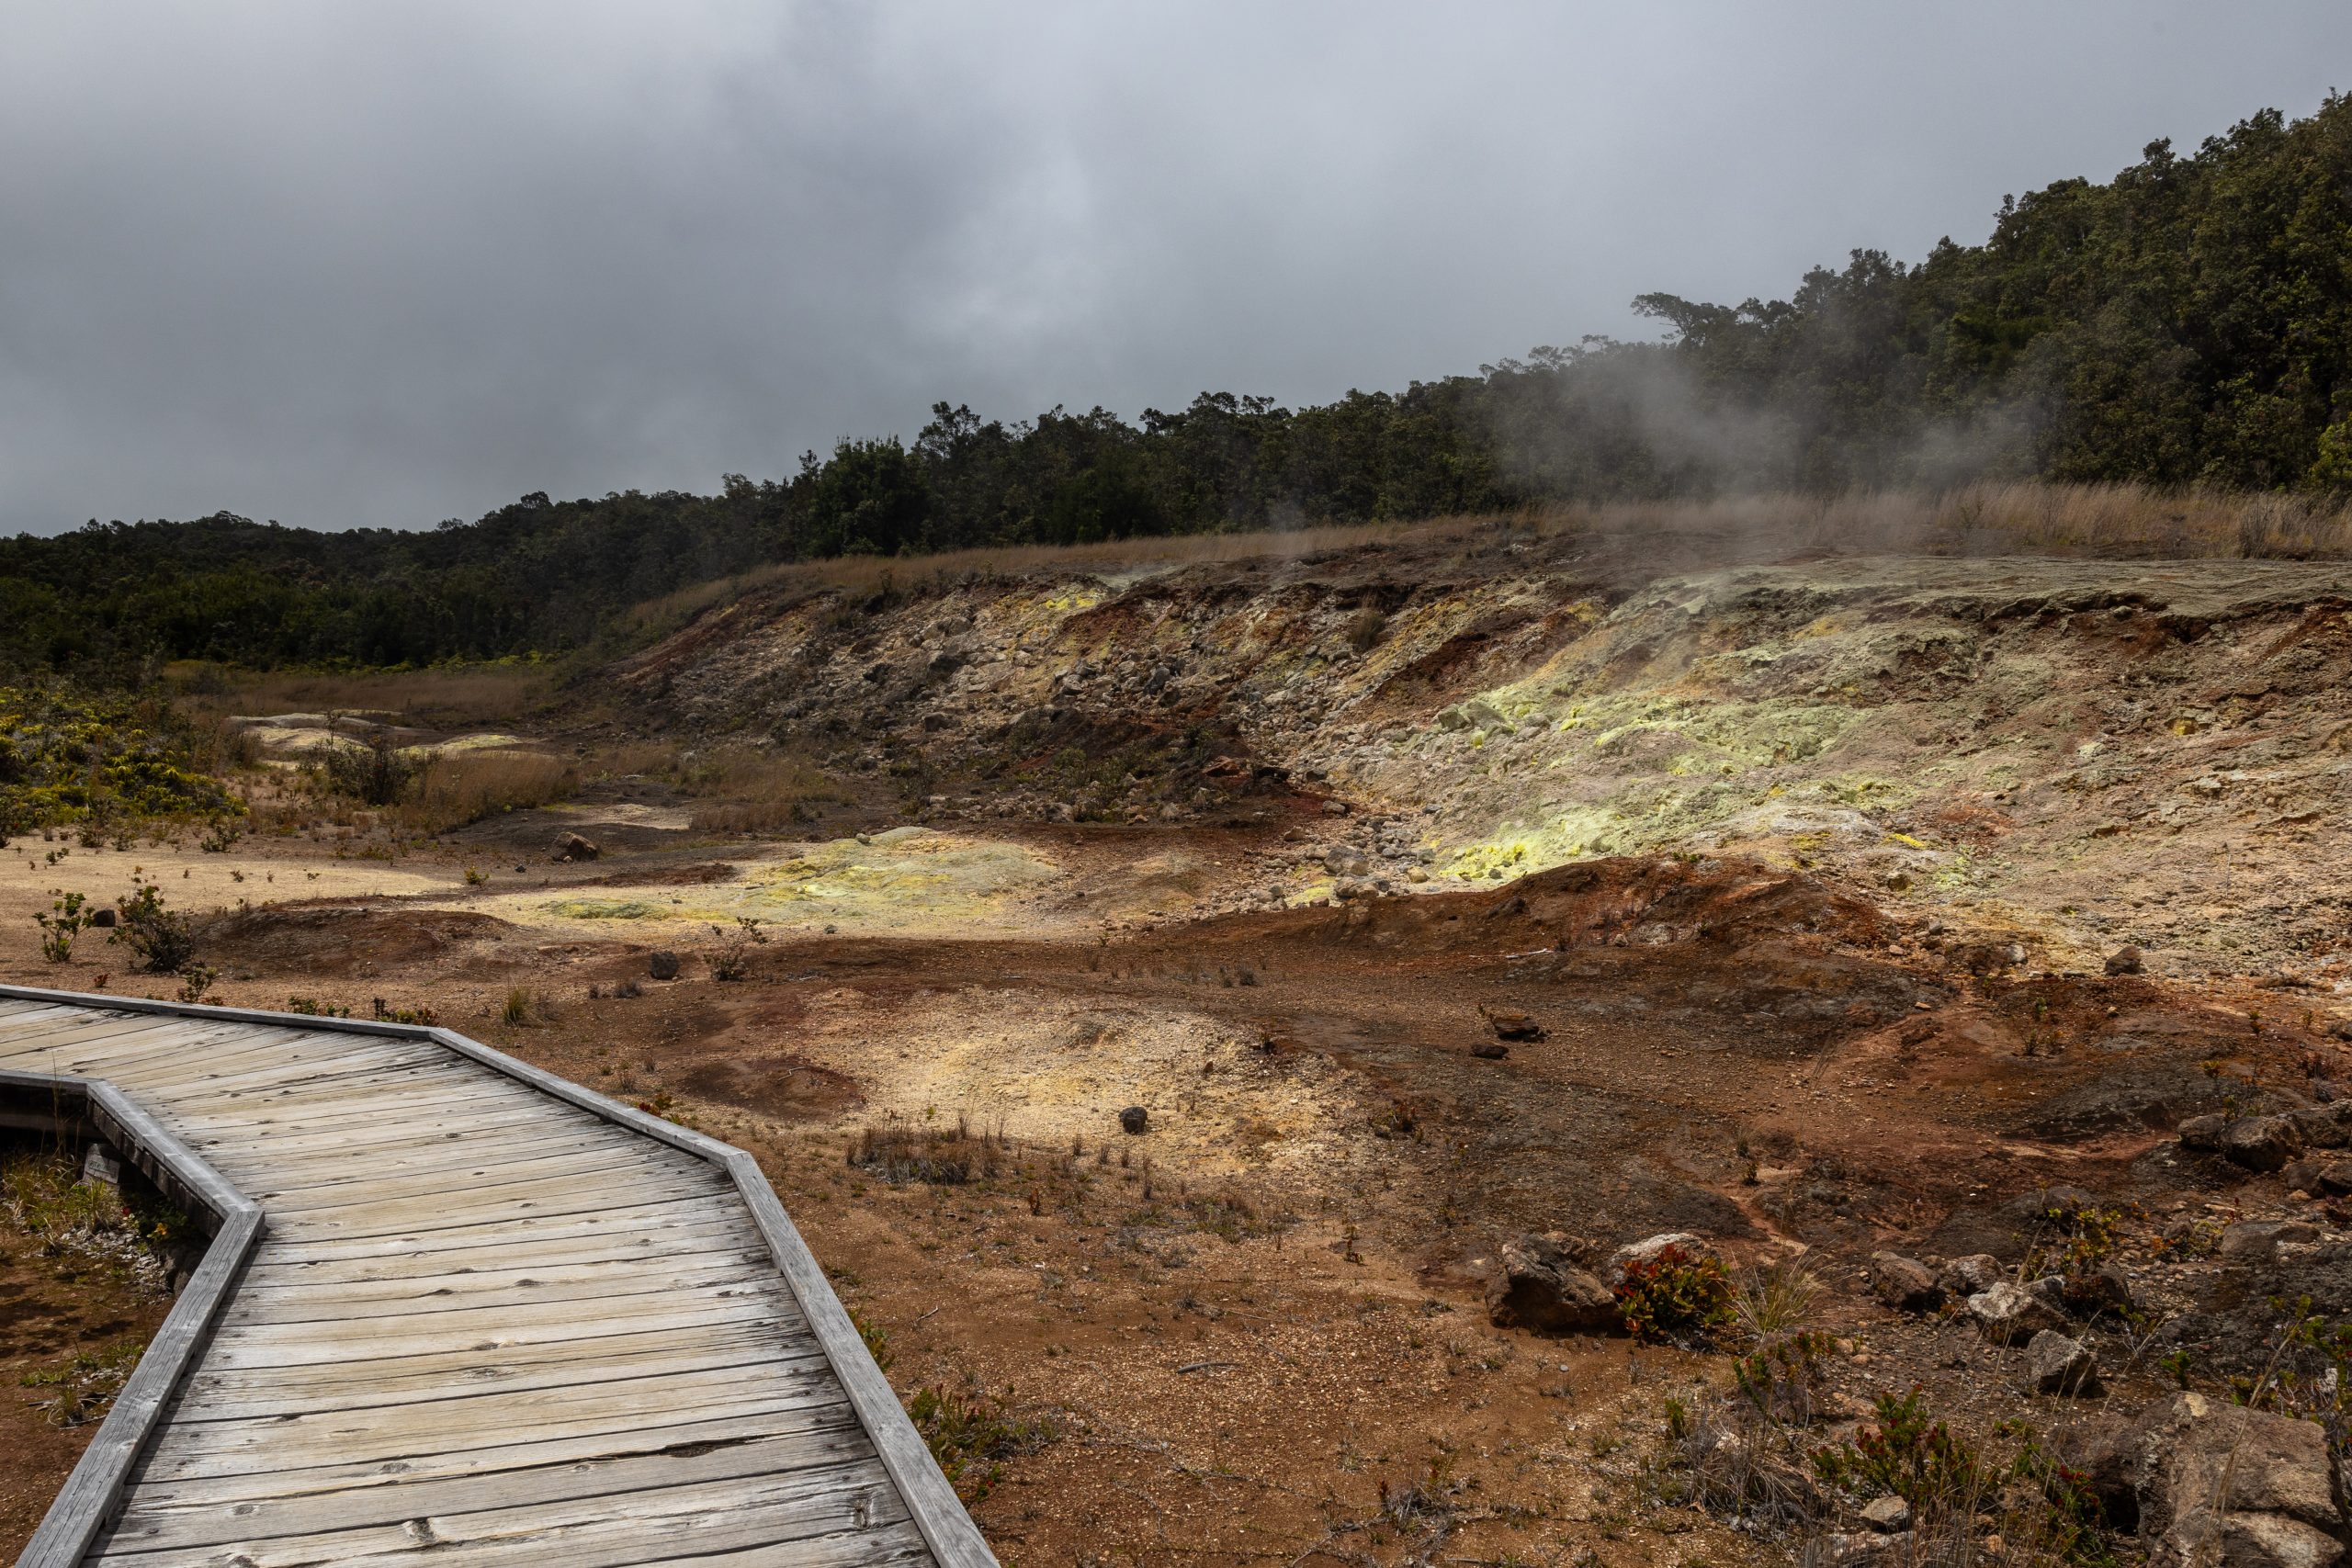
(2221, 1486)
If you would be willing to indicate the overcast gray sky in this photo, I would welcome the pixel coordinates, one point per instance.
(384, 264)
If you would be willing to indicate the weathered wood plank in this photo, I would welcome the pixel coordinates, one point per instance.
(375, 1304)
(234, 1486)
(230, 1393)
(667, 1241)
(191, 1450)
(149, 1526)
(557, 1379)
(618, 1218)
(856, 1508)
(499, 1323)
(618, 1161)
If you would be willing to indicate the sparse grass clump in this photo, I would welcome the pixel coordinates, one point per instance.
(454, 788)
(522, 1007)
(971, 1435)
(1776, 1300)
(79, 1391)
(944, 1157)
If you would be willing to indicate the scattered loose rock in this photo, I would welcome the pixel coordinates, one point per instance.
(1888, 1515)
(2256, 1240)
(1965, 1277)
(2103, 1289)
(2125, 960)
(1512, 1025)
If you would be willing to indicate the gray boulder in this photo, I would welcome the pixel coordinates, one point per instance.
(2204, 1132)
(2222, 1486)
(1967, 1276)
(2104, 1289)
(1538, 1286)
(2055, 1364)
(1888, 1516)
(1647, 1249)
(2257, 1241)
(1904, 1283)
(2010, 1315)
(2261, 1142)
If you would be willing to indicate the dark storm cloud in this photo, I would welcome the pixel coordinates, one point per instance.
(381, 265)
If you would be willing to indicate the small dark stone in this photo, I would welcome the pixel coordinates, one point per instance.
(1134, 1120)
(1490, 1050)
(2125, 960)
(102, 919)
(1514, 1025)
(662, 965)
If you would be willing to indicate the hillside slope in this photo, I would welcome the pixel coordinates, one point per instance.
(2070, 756)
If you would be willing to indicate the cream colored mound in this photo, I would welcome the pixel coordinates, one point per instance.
(1046, 1073)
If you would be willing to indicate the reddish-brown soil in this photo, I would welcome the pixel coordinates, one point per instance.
(1225, 1351)
(51, 1307)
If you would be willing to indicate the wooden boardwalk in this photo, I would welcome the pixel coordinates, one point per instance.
(488, 1318)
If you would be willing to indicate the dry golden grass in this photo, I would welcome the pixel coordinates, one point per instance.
(2023, 517)
(739, 788)
(454, 788)
(2108, 521)
(867, 573)
(747, 790)
(446, 697)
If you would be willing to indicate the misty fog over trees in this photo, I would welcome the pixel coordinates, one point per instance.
(2189, 322)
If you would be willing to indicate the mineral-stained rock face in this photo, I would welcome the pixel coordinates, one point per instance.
(1890, 719)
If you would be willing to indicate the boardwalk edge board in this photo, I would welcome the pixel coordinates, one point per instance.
(938, 1513)
(89, 1496)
